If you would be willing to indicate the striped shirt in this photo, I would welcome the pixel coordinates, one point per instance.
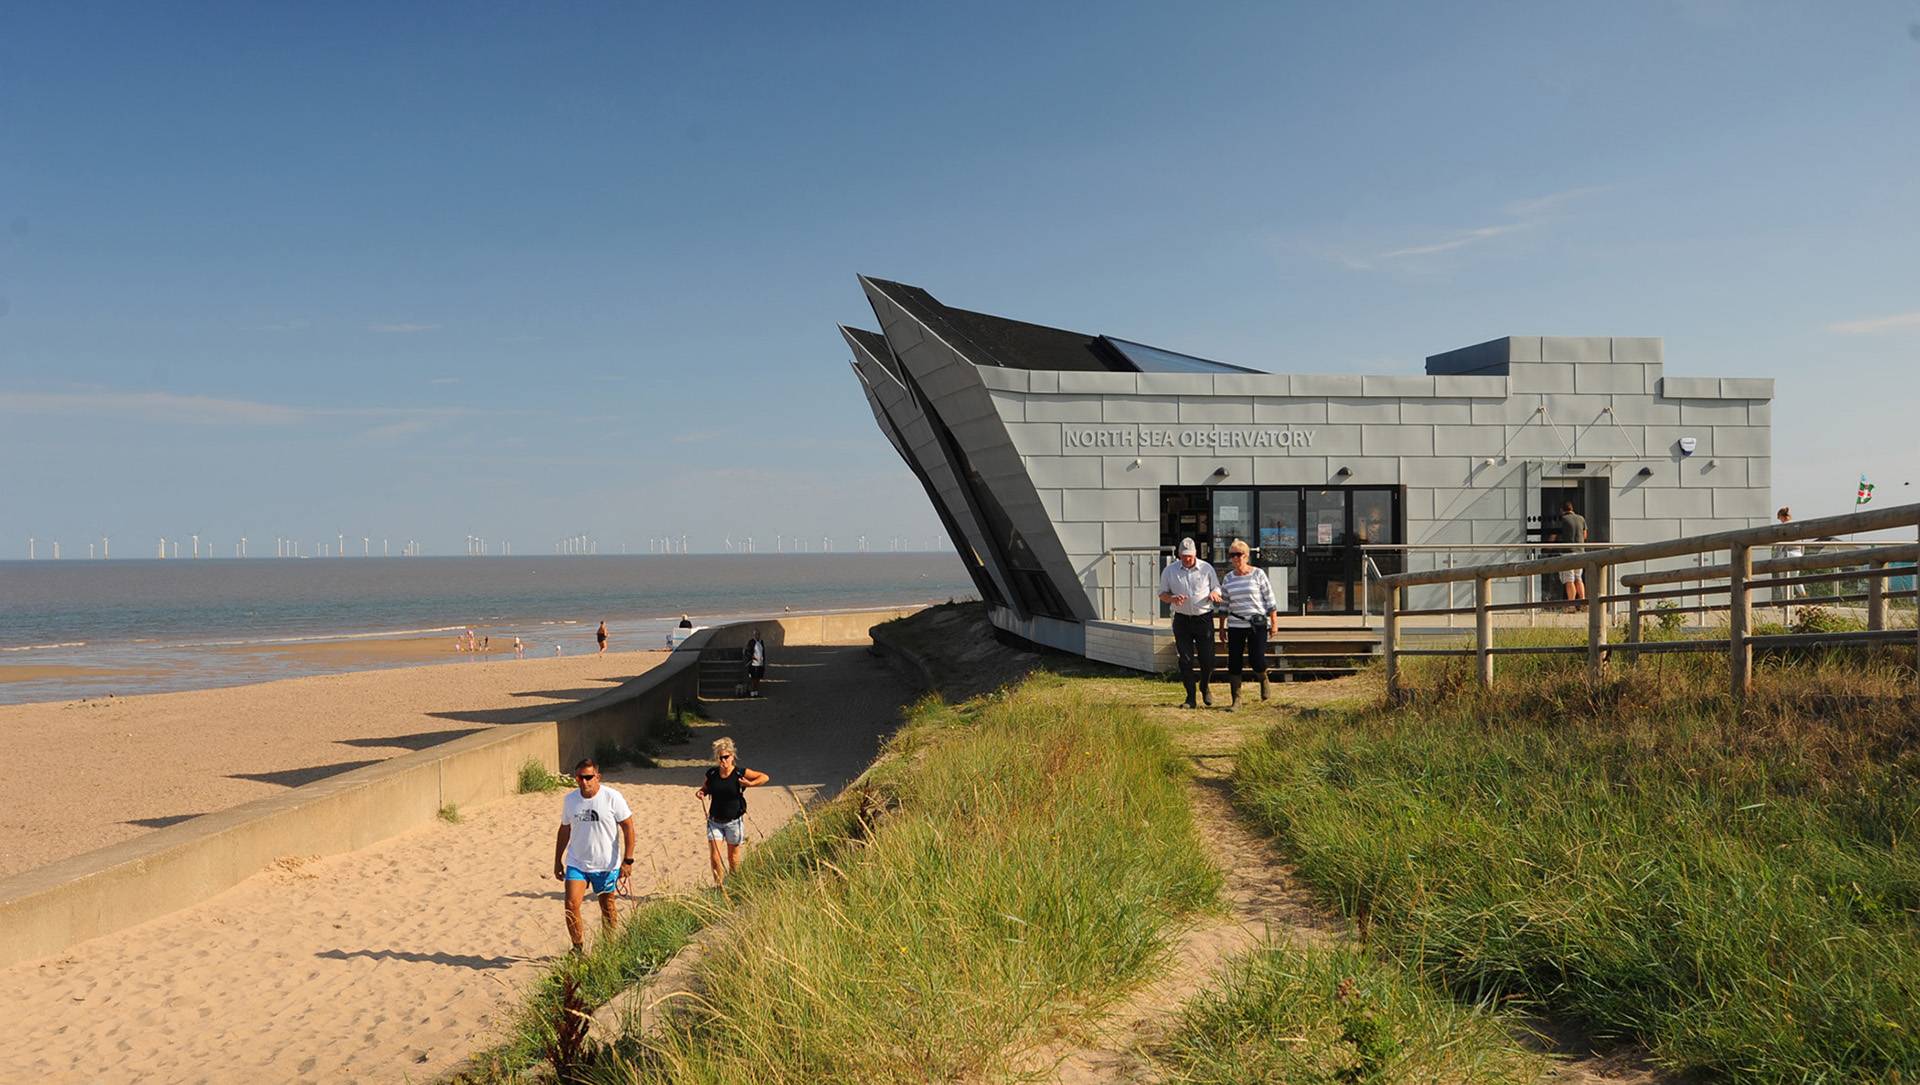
(1249, 598)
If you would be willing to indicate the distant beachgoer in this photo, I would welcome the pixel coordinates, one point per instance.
(726, 787)
(519, 649)
(556, 649)
(601, 635)
(593, 849)
(685, 622)
(486, 644)
(756, 657)
(1794, 549)
(459, 644)
(472, 645)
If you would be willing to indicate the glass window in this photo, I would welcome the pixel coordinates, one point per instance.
(1326, 520)
(1279, 526)
(1232, 519)
(1154, 360)
(1373, 517)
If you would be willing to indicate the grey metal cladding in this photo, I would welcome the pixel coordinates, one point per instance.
(897, 410)
(931, 360)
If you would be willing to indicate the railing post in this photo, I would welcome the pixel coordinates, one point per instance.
(1596, 627)
(1390, 640)
(1739, 620)
(1876, 596)
(1483, 629)
(1450, 602)
(1633, 620)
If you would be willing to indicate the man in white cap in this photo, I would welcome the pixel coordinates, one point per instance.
(1191, 587)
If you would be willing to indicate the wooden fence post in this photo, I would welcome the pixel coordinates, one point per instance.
(1390, 640)
(1596, 625)
(1633, 621)
(1739, 620)
(1876, 596)
(1483, 629)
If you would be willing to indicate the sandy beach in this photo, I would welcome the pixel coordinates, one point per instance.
(396, 962)
(151, 761)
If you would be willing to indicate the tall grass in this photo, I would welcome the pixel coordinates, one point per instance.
(1035, 850)
(1333, 1017)
(1739, 888)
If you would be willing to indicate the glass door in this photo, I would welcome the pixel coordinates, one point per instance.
(1323, 552)
(1279, 543)
(1232, 519)
(1373, 525)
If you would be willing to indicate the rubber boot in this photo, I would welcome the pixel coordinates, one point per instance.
(1206, 695)
(1234, 685)
(1266, 686)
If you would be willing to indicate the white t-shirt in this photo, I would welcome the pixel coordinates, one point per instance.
(595, 842)
(757, 653)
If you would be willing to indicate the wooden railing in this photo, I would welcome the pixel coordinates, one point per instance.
(1735, 579)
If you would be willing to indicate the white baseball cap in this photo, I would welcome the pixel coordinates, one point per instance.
(1187, 547)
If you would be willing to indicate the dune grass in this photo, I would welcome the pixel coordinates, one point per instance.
(1334, 1017)
(1016, 862)
(1737, 888)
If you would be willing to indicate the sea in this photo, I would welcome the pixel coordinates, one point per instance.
(75, 629)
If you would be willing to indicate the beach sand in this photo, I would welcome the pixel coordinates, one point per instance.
(396, 962)
(141, 763)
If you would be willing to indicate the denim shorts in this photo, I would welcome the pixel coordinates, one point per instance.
(601, 882)
(733, 832)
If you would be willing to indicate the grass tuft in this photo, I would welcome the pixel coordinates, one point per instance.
(1332, 1017)
(536, 777)
(450, 813)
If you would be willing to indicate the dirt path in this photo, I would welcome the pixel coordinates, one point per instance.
(398, 961)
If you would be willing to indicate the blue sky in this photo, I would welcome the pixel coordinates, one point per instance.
(424, 271)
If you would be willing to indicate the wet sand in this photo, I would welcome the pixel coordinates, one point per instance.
(85, 774)
(398, 961)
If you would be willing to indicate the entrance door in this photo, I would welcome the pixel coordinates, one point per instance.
(1325, 580)
(1279, 543)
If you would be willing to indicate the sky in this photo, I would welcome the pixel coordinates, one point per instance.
(520, 272)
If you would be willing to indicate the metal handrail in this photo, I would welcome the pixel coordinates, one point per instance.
(1598, 563)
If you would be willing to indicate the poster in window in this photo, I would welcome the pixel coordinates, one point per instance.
(1324, 533)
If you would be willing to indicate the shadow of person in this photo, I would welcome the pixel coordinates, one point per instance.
(456, 960)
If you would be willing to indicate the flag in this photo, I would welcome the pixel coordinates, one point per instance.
(1865, 494)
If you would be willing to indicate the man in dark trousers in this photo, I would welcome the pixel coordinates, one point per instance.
(1191, 587)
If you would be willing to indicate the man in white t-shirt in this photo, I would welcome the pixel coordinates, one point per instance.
(594, 849)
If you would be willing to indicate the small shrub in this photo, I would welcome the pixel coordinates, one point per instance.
(535, 777)
(450, 813)
(1666, 614)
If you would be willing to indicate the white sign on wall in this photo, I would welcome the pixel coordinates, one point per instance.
(1173, 438)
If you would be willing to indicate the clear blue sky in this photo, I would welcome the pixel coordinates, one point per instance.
(431, 270)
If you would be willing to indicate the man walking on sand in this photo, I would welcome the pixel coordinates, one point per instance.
(593, 850)
(1191, 587)
(601, 636)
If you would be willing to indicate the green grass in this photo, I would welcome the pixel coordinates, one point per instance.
(535, 777)
(450, 813)
(1336, 1016)
(1009, 866)
(1738, 888)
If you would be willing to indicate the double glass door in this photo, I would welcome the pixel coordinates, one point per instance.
(1315, 534)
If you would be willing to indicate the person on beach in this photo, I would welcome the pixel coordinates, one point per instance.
(594, 849)
(726, 792)
(1573, 529)
(1252, 613)
(601, 635)
(756, 657)
(1191, 587)
(519, 649)
(685, 622)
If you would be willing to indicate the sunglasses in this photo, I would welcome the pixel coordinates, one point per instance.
(588, 776)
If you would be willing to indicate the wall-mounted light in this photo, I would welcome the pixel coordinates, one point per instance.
(1221, 472)
(1135, 464)
(1711, 464)
(1488, 462)
(1343, 472)
(1646, 472)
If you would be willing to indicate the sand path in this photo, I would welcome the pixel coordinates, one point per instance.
(157, 759)
(396, 962)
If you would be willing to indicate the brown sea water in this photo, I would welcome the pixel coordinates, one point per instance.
(71, 629)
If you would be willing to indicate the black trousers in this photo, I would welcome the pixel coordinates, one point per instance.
(1250, 642)
(1193, 640)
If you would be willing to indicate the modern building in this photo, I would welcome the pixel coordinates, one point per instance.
(1065, 465)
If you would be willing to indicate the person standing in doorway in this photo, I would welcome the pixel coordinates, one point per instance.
(1573, 529)
(726, 793)
(756, 656)
(593, 850)
(1191, 588)
(1252, 614)
(600, 635)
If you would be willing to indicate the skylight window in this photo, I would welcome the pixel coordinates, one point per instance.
(1154, 360)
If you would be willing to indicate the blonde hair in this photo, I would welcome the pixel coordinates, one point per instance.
(723, 746)
(1239, 546)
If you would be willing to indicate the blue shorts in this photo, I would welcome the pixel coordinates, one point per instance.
(601, 882)
(732, 832)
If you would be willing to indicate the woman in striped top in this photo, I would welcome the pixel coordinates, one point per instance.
(1252, 613)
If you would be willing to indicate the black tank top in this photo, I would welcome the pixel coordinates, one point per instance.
(729, 794)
